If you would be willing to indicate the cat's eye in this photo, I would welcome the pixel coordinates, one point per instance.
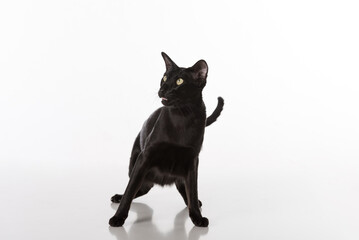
(179, 81)
(164, 78)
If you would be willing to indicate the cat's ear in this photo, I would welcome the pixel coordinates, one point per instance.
(199, 71)
(168, 61)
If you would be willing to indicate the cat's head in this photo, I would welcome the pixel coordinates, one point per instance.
(180, 86)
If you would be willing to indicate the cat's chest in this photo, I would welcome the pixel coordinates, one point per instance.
(178, 128)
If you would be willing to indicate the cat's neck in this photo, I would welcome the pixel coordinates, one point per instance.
(190, 110)
(194, 104)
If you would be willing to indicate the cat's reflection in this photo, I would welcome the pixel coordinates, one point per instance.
(144, 228)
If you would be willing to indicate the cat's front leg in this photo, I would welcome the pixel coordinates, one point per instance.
(132, 188)
(192, 198)
(182, 190)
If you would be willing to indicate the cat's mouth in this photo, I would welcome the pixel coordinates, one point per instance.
(164, 101)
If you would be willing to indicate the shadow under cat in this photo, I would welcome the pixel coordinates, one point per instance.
(144, 227)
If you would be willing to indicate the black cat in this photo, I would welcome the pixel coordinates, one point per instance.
(166, 150)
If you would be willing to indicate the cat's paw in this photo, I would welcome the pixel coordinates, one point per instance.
(116, 221)
(116, 198)
(201, 222)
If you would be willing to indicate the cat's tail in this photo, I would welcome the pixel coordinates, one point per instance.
(211, 119)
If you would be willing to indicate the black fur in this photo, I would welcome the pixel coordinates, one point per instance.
(166, 149)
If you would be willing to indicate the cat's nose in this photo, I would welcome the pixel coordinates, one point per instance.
(161, 93)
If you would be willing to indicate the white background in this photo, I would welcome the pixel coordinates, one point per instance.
(78, 79)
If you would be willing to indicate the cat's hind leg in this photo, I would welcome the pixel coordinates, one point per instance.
(136, 179)
(145, 188)
(136, 150)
